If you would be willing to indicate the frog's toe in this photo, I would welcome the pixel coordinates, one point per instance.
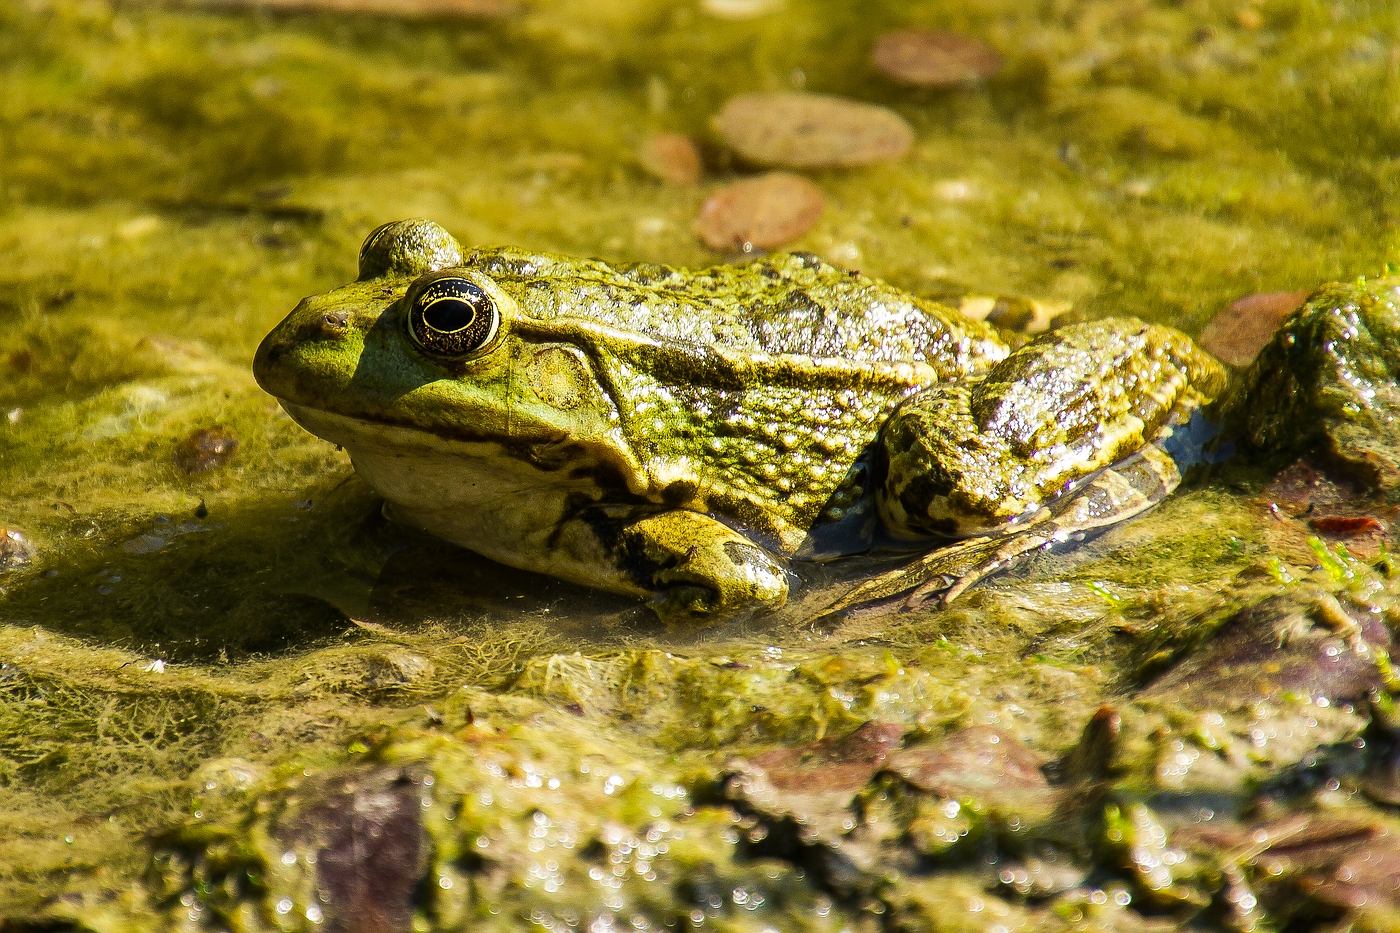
(699, 568)
(685, 602)
(720, 581)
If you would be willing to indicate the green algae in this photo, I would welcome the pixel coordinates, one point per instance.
(172, 181)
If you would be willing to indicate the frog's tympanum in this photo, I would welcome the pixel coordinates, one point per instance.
(683, 435)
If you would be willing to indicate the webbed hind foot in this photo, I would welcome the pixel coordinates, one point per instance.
(1122, 491)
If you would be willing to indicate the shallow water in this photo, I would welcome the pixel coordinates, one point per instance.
(174, 180)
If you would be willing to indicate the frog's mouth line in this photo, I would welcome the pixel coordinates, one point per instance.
(544, 458)
(332, 425)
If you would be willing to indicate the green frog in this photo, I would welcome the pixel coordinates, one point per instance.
(686, 435)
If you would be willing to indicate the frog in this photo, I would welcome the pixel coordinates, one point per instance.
(693, 437)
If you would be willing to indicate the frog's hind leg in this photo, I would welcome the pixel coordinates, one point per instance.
(1120, 492)
(1125, 489)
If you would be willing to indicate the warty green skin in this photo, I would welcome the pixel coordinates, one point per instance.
(680, 434)
(1330, 379)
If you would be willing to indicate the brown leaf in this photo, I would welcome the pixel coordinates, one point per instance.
(1346, 526)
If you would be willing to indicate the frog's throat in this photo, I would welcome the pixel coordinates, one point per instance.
(474, 493)
(429, 476)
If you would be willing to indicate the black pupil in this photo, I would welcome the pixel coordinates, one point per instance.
(449, 314)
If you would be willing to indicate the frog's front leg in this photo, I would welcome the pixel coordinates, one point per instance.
(690, 565)
(698, 567)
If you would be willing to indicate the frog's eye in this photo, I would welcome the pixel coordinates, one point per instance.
(452, 317)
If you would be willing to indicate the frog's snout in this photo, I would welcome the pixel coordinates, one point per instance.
(281, 357)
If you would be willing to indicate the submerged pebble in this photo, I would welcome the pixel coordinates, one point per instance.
(799, 130)
(1238, 333)
(934, 58)
(365, 827)
(671, 157)
(1310, 497)
(760, 213)
(983, 761)
(395, 669)
(205, 449)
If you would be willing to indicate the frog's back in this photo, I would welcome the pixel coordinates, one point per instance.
(790, 304)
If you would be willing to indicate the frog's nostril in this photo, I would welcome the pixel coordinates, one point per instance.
(332, 323)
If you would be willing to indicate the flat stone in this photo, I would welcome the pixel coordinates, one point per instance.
(814, 784)
(979, 762)
(798, 130)
(407, 9)
(1282, 647)
(368, 832)
(934, 58)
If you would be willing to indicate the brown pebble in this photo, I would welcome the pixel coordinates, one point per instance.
(204, 450)
(671, 157)
(1307, 485)
(1237, 334)
(800, 130)
(760, 213)
(931, 58)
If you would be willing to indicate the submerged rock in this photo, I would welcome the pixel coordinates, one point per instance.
(15, 549)
(1240, 331)
(365, 832)
(933, 58)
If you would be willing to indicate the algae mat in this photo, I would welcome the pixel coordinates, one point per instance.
(237, 699)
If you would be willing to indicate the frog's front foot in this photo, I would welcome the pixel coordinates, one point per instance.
(700, 568)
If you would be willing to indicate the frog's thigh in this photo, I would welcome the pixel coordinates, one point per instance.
(964, 459)
(699, 566)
